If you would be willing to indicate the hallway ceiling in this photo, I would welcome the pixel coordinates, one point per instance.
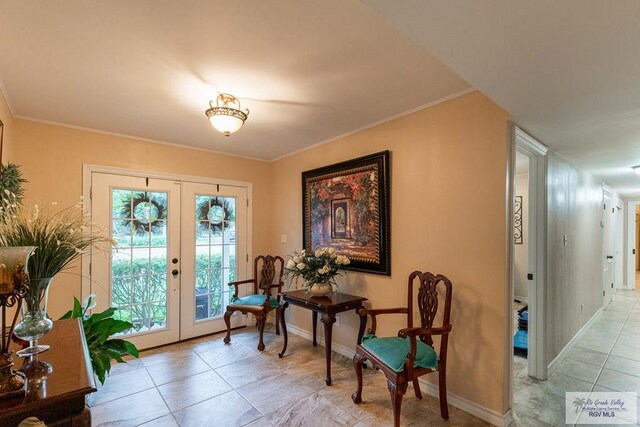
(308, 71)
(568, 71)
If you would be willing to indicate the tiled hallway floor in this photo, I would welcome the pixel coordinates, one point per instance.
(205, 383)
(606, 358)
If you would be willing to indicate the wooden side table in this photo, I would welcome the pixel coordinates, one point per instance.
(57, 382)
(328, 306)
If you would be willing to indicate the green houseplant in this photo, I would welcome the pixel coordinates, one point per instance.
(60, 237)
(11, 180)
(98, 329)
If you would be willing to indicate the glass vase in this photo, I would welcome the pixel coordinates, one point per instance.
(35, 322)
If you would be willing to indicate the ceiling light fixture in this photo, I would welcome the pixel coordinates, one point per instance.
(636, 169)
(225, 115)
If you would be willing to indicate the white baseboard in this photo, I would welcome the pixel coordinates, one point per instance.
(474, 409)
(567, 348)
(486, 414)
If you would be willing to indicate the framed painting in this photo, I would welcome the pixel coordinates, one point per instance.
(346, 207)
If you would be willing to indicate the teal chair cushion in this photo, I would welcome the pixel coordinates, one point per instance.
(392, 351)
(255, 300)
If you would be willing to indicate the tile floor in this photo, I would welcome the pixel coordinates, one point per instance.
(607, 357)
(205, 383)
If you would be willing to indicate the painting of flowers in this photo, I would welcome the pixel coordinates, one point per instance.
(346, 207)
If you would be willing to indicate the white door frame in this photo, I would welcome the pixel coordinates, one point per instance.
(537, 241)
(630, 238)
(608, 220)
(88, 169)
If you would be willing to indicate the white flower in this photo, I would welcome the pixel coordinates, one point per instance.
(296, 259)
(318, 253)
(324, 270)
(291, 264)
(301, 266)
(342, 260)
(331, 251)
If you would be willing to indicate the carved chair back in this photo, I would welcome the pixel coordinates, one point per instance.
(428, 301)
(267, 271)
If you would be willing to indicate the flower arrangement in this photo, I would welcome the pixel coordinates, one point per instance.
(59, 236)
(319, 267)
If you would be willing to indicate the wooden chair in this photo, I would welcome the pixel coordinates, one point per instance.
(411, 354)
(267, 275)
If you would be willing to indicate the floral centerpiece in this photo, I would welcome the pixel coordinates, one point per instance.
(318, 269)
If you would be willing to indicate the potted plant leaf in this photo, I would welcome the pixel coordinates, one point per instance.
(98, 330)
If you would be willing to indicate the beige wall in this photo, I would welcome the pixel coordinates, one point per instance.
(448, 166)
(52, 157)
(521, 252)
(7, 120)
(447, 215)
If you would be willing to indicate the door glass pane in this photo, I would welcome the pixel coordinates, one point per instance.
(139, 262)
(215, 254)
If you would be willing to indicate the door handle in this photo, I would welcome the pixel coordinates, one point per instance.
(175, 272)
(609, 256)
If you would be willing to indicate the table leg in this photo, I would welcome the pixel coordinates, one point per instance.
(283, 325)
(328, 319)
(314, 320)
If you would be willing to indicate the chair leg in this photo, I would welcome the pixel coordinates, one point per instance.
(277, 317)
(358, 360)
(396, 391)
(227, 321)
(442, 385)
(416, 388)
(260, 322)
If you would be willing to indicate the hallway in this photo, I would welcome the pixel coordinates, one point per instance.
(605, 358)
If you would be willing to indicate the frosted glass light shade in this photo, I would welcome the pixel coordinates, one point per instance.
(225, 115)
(226, 124)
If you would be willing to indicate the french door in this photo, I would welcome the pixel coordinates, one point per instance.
(178, 244)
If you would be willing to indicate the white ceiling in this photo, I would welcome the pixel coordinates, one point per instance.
(569, 71)
(308, 71)
(311, 71)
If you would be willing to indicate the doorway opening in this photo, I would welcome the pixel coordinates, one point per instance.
(632, 238)
(178, 244)
(528, 254)
(526, 305)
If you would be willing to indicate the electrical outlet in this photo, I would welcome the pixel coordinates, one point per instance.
(283, 238)
(337, 320)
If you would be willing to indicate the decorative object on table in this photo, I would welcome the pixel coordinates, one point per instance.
(34, 322)
(60, 237)
(267, 276)
(346, 207)
(318, 269)
(410, 354)
(517, 220)
(37, 372)
(225, 115)
(13, 288)
(98, 328)
(32, 422)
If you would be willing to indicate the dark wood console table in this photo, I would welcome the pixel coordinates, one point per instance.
(57, 383)
(328, 306)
